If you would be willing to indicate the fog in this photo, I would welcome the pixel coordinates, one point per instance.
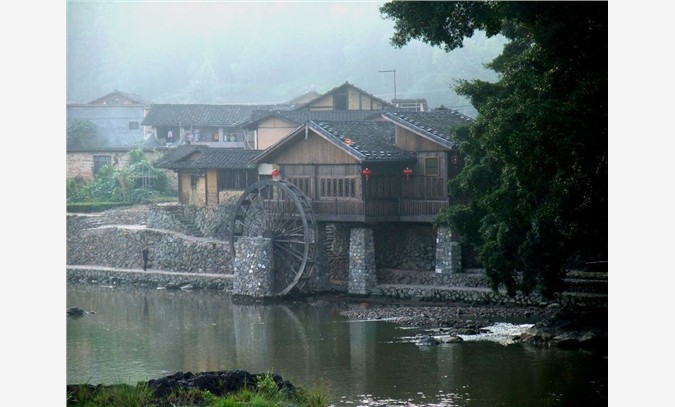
(257, 52)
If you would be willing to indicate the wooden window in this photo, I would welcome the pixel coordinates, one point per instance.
(194, 180)
(337, 187)
(431, 166)
(134, 125)
(235, 179)
(340, 100)
(304, 183)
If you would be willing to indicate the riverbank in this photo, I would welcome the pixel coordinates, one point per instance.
(553, 326)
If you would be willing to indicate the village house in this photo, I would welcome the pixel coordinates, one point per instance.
(342, 103)
(209, 125)
(117, 122)
(209, 176)
(369, 171)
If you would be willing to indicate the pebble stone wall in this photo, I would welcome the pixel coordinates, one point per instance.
(448, 252)
(114, 239)
(253, 267)
(362, 271)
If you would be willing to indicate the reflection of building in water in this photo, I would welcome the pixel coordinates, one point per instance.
(361, 352)
(252, 338)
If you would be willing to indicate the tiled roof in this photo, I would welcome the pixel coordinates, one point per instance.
(201, 115)
(367, 140)
(436, 124)
(208, 158)
(301, 116)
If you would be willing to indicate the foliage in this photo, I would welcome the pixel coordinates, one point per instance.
(82, 134)
(535, 171)
(138, 182)
(266, 393)
(122, 395)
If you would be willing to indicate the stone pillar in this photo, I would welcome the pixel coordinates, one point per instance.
(448, 252)
(362, 276)
(253, 267)
(320, 279)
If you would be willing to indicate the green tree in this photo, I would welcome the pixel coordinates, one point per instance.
(536, 159)
(81, 134)
(137, 182)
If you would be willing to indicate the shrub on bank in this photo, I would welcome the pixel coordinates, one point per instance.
(266, 390)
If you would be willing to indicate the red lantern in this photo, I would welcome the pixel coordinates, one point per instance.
(407, 172)
(275, 173)
(367, 173)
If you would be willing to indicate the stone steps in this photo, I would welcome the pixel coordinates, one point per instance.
(177, 212)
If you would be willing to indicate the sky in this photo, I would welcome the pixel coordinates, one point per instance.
(257, 52)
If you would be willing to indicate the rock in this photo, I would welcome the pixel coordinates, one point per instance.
(426, 340)
(453, 339)
(75, 312)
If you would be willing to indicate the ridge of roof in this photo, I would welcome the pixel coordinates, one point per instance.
(384, 102)
(131, 96)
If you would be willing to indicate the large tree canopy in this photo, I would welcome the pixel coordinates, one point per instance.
(536, 159)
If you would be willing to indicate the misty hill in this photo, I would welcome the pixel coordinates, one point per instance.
(218, 53)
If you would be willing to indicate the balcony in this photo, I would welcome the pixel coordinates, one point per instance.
(393, 210)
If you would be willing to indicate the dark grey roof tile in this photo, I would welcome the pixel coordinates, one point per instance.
(436, 124)
(182, 157)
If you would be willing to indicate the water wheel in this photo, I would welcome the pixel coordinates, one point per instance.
(280, 211)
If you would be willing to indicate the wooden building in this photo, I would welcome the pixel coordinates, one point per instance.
(342, 103)
(393, 170)
(210, 176)
(207, 125)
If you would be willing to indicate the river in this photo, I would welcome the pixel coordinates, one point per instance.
(136, 334)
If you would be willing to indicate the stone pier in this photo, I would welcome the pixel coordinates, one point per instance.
(362, 272)
(253, 267)
(448, 252)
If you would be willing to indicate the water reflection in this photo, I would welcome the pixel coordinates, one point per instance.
(140, 334)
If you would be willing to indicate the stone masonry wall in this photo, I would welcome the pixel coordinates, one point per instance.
(120, 247)
(404, 246)
(448, 252)
(254, 267)
(362, 272)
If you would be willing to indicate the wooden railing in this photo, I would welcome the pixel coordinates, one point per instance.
(420, 210)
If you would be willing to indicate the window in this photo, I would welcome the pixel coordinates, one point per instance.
(337, 187)
(194, 180)
(235, 179)
(340, 100)
(431, 167)
(100, 161)
(134, 125)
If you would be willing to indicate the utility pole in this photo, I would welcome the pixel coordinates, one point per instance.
(394, 71)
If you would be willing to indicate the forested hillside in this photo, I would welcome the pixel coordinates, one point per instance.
(257, 53)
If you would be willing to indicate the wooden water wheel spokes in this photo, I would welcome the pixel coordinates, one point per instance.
(280, 211)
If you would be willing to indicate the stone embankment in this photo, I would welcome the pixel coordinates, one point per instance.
(189, 247)
(106, 247)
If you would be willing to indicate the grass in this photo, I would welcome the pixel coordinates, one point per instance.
(265, 393)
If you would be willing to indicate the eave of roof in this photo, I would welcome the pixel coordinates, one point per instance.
(208, 158)
(200, 115)
(325, 130)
